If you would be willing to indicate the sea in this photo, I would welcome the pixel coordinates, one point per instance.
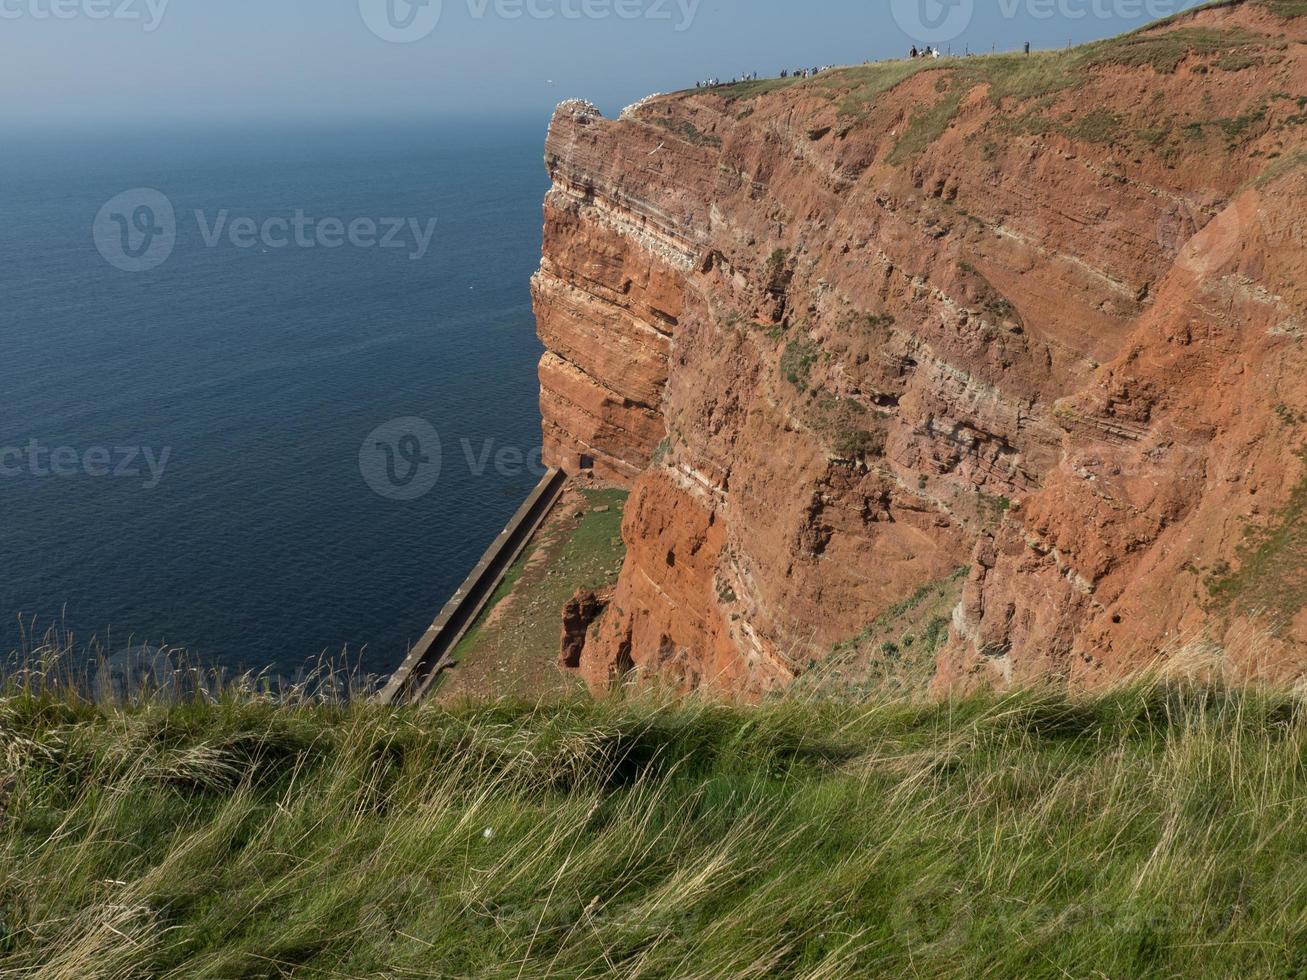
(266, 392)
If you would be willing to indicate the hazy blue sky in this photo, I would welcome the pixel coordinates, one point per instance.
(127, 60)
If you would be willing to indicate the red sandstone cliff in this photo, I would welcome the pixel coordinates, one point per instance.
(843, 336)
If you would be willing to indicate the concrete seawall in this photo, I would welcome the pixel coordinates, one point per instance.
(431, 655)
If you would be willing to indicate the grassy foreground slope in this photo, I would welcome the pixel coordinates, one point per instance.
(1156, 831)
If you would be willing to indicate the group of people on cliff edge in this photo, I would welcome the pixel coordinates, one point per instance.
(926, 51)
(753, 77)
(804, 72)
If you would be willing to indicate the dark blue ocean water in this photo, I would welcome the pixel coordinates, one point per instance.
(261, 371)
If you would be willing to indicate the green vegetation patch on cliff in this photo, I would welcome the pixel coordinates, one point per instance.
(1286, 8)
(895, 654)
(1279, 168)
(849, 428)
(1024, 78)
(1163, 51)
(1156, 831)
(867, 82)
(686, 130)
(753, 89)
(1041, 77)
(796, 362)
(1271, 581)
(1281, 8)
(926, 126)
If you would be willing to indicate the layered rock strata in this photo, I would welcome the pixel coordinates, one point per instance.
(1040, 317)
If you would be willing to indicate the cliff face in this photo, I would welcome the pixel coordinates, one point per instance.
(843, 336)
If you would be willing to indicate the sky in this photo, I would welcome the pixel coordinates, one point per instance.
(118, 62)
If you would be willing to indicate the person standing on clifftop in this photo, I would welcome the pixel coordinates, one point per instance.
(914, 51)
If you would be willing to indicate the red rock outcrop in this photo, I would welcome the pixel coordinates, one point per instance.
(845, 335)
(579, 614)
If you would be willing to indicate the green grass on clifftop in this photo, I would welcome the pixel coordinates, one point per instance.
(1155, 832)
(1028, 87)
